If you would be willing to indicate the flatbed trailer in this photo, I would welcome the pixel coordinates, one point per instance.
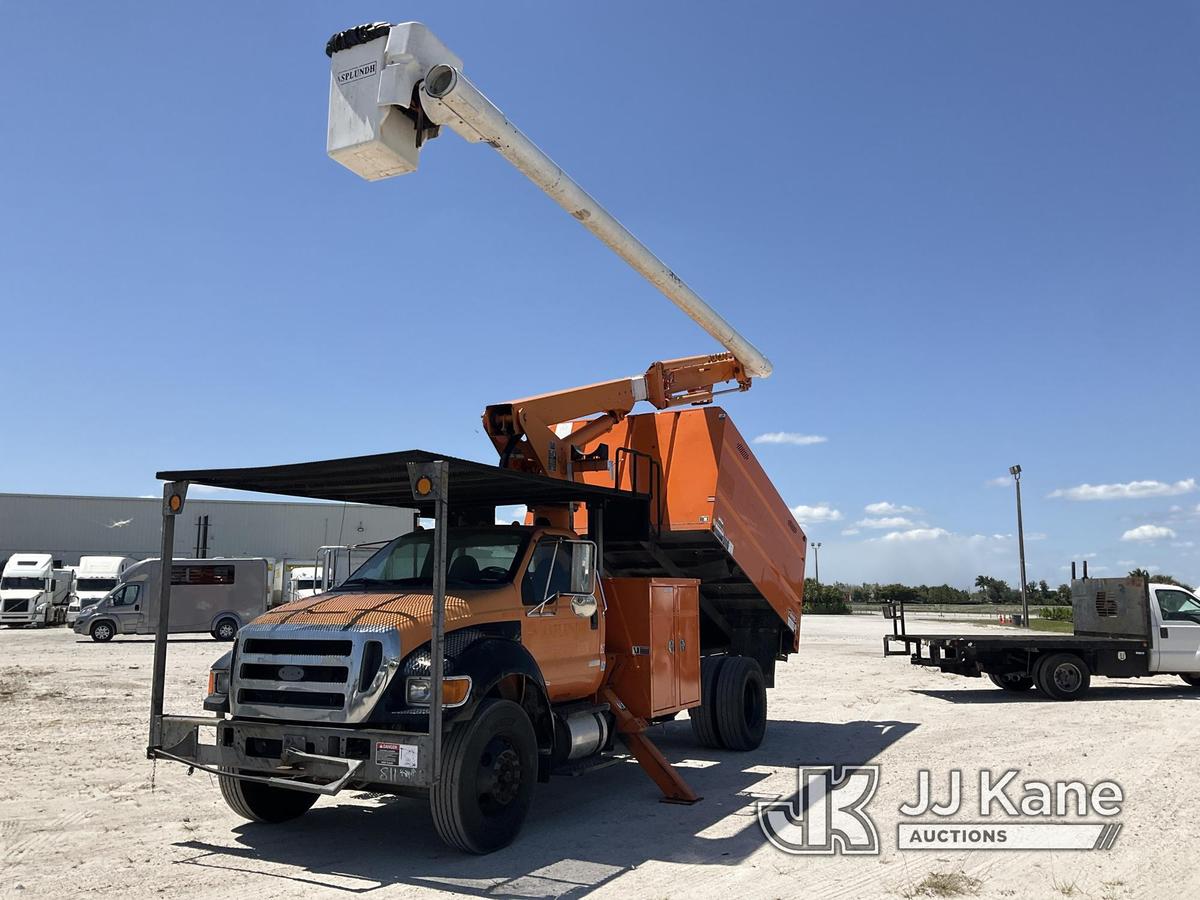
(1125, 628)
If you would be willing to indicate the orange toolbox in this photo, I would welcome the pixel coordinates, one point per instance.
(652, 637)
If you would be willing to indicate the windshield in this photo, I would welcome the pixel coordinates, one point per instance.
(95, 584)
(18, 583)
(478, 557)
(305, 584)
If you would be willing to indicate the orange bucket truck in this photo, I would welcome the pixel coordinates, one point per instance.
(657, 572)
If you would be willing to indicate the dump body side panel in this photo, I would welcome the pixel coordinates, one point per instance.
(715, 516)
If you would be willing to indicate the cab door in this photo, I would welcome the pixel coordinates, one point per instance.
(127, 608)
(1177, 640)
(568, 648)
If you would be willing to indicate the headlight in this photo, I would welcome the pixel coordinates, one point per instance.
(41, 607)
(218, 674)
(455, 690)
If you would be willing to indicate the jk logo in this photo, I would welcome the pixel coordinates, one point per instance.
(828, 815)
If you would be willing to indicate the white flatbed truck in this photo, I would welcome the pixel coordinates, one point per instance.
(1124, 628)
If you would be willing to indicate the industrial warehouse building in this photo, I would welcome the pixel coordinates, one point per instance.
(70, 527)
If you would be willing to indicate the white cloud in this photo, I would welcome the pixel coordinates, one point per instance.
(850, 532)
(998, 481)
(1148, 533)
(1129, 490)
(920, 556)
(814, 515)
(1036, 536)
(885, 522)
(1125, 562)
(506, 515)
(1183, 545)
(883, 508)
(790, 437)
(917, 534)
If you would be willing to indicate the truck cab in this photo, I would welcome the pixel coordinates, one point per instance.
(1175, 632)
(509, 598)
(303, 582)
(33, 591)
(95, 576)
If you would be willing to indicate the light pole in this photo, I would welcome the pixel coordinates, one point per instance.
(817, 561)
(1015, 472)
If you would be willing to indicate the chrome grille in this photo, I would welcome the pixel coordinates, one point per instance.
(311, 672)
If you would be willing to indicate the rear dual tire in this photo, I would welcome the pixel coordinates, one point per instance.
(733, 711)
(1013, 682)
(1063, 676)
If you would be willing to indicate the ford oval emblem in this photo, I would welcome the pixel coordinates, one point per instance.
(291, 673)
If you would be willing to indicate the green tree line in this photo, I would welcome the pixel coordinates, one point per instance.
(836, 597)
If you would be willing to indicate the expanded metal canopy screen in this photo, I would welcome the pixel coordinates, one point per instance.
(382, 480)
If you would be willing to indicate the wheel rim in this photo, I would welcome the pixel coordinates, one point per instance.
(102, 632)
(498, 778)
(225, 630)
(1067, 677)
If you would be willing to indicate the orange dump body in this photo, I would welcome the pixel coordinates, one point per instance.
(715, 516)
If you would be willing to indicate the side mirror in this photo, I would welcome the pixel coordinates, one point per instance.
(583, 568)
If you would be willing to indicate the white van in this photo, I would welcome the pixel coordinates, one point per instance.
(95, 576)
(33, 591)
(213, 596)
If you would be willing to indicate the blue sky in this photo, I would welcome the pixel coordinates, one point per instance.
(967, 235)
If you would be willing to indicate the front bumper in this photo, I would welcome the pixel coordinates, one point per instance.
(315, 758)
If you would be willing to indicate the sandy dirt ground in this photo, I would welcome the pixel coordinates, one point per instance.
(83, 813)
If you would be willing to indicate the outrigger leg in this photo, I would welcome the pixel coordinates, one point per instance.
(650, 758)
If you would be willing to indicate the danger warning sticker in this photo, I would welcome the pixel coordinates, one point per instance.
(403, 755)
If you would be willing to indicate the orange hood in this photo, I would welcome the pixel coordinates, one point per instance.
(409, 614)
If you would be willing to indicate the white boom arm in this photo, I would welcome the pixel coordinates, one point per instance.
(390, 86)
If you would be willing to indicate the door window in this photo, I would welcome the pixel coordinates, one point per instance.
(128, 595)
(549, 572)
(1178, 606)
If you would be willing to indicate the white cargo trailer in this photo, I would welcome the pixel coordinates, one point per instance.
(214, 596)
(33, 591)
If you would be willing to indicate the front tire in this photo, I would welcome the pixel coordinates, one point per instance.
(488, 769)
(1013, 682)
(264, 803)
(102, 632)
(741, 703)
(1063, 676)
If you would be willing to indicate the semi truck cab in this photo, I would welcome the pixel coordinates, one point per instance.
(33, 591)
